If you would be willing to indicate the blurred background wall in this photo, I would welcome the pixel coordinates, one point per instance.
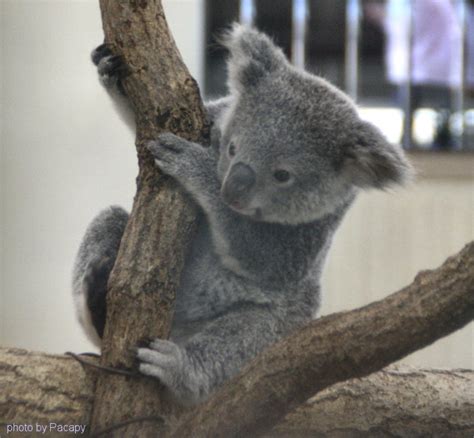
(65, 155)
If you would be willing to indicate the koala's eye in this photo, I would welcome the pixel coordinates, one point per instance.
(282, 176)
(232, 149)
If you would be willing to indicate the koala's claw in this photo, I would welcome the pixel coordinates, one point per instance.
(172, 142)
(111, 65)
(163, 360)
(167, 152)
(167, 142)
(99, 53)
(112, 68)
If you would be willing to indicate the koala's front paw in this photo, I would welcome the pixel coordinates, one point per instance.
(170, 363)
(172, 154)
(111, 68)
(190, 164)
(163, 360)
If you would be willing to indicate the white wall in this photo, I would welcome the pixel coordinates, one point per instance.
(387, 238)
(65, 155)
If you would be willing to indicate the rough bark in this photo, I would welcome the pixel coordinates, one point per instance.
(398, 401)
(144, 279)
(336, 348)
(43, 388)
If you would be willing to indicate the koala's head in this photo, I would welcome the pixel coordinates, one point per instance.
(293, 148)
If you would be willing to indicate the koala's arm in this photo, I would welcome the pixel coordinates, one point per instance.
(191, 371)
(112, 70)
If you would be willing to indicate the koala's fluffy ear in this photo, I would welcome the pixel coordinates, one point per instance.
(372, 162)
(252, 56)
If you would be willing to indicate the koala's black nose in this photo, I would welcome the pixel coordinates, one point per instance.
(237, 186)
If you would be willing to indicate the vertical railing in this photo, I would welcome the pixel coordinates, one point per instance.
(247, 12)
(458, 92)
(351, 64)
(300, 15)
(299, 29)
(406, 88)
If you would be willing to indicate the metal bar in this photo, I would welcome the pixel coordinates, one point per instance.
(353, 14)
(247, 12)
(458, 92)
(407, 105)
(299, 28)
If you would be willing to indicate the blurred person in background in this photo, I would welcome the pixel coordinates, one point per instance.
(470, 46)
(435, 56)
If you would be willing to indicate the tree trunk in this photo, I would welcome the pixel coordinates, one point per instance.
(400, 401)
(143, 282)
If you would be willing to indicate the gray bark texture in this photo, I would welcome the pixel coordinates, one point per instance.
(399, 401)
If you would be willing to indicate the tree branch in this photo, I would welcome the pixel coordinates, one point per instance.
(43, 388)
(338, 347)
(143, 282)
(398, 401)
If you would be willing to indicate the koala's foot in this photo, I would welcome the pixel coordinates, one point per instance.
(172, 365)
(95, 284)
(94, 262)
(111, 68)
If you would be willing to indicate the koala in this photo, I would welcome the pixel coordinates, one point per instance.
(289, 156)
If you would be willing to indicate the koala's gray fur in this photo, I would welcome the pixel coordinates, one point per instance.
(291, 155)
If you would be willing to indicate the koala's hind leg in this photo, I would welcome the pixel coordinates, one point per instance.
(94, 261)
